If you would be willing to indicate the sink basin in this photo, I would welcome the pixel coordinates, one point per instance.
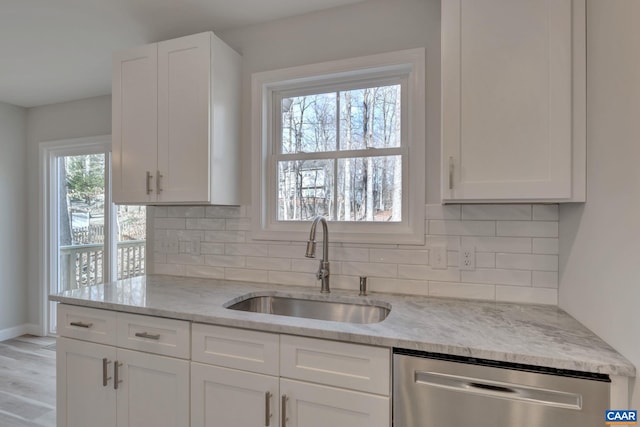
(337, 311)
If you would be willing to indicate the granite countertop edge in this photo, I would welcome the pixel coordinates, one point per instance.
(528, 334)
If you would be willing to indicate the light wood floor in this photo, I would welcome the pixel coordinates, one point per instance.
(28, 382)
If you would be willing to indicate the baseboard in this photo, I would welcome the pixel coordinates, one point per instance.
(16, 331)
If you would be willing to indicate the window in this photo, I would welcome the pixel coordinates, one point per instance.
(344, 140)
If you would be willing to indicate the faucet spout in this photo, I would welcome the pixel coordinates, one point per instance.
(323, 270)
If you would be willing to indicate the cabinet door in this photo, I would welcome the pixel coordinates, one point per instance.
(222, 397)
(83, 397)
(154, 390)
(135, 124)
(184, 74)
(507, 99)
(312, 405)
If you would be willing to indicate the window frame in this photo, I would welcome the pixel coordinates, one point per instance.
(405, 67)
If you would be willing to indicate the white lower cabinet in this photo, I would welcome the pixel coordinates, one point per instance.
(232, 398)
(102, 385)
(316, 382)
(313, 405)
(154, 390)
(83, 398)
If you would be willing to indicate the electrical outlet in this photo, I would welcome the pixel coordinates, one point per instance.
(438, 257)
(467, 258)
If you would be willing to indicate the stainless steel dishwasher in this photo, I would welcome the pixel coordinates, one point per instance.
(432, 390)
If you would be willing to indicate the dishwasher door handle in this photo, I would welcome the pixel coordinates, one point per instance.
(499, 389)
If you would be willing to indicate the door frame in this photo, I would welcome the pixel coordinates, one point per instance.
(49, 151)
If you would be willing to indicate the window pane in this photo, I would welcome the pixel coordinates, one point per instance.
(131, 229)
(81, 221)
(370, 118)
(305, 189)
(370, 189)
(309, 123)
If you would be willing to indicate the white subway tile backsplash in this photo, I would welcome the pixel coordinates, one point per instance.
(221, 236)
(546, 246)
(266, 263)
(225, 211)
(238, 224)
(545, 213)
(159, 211)
(527, 262)
(497, 277)
(462, 228)
(243, 274)
(204, 271)
(528, 228)
(485, 260)
(185, 211)
(527, 295)
(516, 253)
(345, 253)
(185, 259)
(170, 223)
(496, 212)
(399, 256)
(498, 244)
(443, 212)
(398, 286)
(423, 272)
(224, 261)
(350, 268)
(205, 224)
(288, 251)
(293, 278)
(248, 249)
(462, 290)
(208, 248)
(545, 279)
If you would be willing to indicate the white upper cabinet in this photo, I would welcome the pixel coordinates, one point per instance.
(513, 100)
(176, 122)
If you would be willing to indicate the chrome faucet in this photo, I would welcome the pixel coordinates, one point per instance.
(323, 270)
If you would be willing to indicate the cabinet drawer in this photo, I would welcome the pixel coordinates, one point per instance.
(236, 348)
(88, 324)
(157, 335)
(353, 366)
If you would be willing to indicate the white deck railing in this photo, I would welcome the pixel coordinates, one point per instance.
(82, 265)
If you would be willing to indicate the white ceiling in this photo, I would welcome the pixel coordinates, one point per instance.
(59, 50)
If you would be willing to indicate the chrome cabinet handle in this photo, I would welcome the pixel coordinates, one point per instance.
(116, 380)
(105, 378)
(81, 325)
(147, 335)
(159, 176)
(267, 412)
(451, 173)
(283, 413)
(149, 177)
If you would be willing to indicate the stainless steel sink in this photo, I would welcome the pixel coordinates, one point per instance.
(337, 311)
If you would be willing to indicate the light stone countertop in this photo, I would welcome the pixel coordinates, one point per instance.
(539, 335)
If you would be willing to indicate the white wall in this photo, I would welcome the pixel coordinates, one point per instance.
(13, 194)
(86, 117)
(600, 240)
(367, 28)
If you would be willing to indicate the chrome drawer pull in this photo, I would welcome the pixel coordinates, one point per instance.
(267, 412)
(116, 380)
(81, 325)
(283, 411)
(105, 378)
(148, 335)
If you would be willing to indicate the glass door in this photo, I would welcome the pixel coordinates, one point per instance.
(89, 241)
